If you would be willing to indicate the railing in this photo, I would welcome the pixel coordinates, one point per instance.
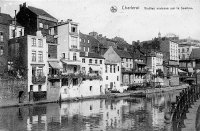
(54, 77)
(38, 79)
(127, 70)
(180, 107)
(140, 71)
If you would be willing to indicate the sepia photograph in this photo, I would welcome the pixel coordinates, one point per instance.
(99, 65)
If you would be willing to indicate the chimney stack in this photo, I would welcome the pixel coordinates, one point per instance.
(24, 4)
(20, 6)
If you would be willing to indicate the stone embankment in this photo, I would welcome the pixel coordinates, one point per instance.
(112, 95)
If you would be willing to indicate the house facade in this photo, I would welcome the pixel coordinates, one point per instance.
(118, 69)
(9, 29)
(30, 52)
(169, 49)
(35, 19)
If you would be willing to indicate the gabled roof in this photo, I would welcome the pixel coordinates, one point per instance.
(40, 12)
(91, 55)
(122, 53)
(195, 53)
(5, 18)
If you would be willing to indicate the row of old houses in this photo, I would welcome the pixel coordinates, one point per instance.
(60, 62)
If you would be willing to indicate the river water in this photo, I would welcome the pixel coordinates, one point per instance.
(120, 114)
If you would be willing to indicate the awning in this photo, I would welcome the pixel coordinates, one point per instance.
(181, 71)
(55, 65)
(190, 70)
(71, 62)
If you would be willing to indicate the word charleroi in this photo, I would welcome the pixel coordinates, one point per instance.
(124, 7)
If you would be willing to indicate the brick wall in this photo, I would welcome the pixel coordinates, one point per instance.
(9, 91)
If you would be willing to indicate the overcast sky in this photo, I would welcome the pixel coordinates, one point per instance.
(132, 24)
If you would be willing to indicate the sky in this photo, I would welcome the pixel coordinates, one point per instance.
(180, 17)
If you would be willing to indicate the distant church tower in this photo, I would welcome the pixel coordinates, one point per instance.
(159, 35)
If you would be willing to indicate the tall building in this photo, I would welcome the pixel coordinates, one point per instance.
(28, 55)
(9, 28)
(35, 19)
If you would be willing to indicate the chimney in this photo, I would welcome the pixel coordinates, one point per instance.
(69, 20)
(24, 4)
(20, 6)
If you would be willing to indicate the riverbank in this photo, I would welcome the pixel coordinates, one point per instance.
(105, 96)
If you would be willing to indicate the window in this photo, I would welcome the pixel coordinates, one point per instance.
(33, 55)
(74, 42)
(1, 50)
(56, 40)
(187, 49)
(114, 68)
(118, 68)
(63, 55)
(13, 33)
(40, 43)
(117, 78)
(130, 65)
(83, 69)
(31, 87)
(39, 87)
(33, 42)
(106, 77)
(40, 25)
(110, 68)
(178, 50)
(46, 26)
(90, 61)
(40, 56)
(83, 60)
(126, 60)
(90, 88)
(20, 33)
(106, 69)
(95, 61)
(74, 29)
(1, 36)
(183, 50)
(39, 71)
(100, 61)
(74, 56)
(83, 48)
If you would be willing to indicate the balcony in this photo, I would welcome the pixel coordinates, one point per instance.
(51, 39)
(54, 76)
(38, 79)
(127, 70)
(140, 71)
(71, 62)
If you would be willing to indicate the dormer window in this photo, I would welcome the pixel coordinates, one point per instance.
(74, 29)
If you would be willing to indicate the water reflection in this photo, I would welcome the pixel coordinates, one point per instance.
(120, 114)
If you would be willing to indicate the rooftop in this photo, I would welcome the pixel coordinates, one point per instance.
(40, 12)
(123, 53)
(91, 55)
